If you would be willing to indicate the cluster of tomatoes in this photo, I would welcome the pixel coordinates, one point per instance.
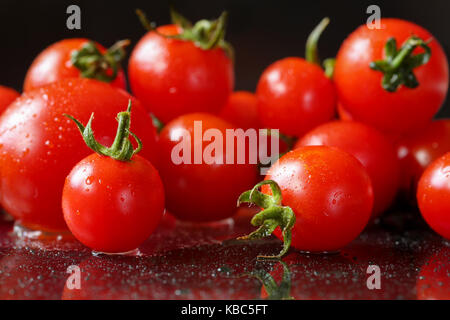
(336, 175)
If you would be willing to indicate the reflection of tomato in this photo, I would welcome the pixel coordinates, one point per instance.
(360, 88)
(54, 63)
(201, 192)
(317, 277)
(418, 150)
(294, 96)
(433, 195)
(32, 274)
(172, 77)
(433, 281)
(7, 95)
(370, 147)
(164, 277)
(39, 146)
(242, 110)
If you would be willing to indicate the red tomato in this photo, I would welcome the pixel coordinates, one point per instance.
(7, 95)
(371, 148)
(343, 113)
(242, 110)
(360, 87)
(295, 96)
(433, 195)
(201, 192)
(173, 77)
(54, 63)
(113, 206)
(327, 190)
(39, 146)
(418, 150)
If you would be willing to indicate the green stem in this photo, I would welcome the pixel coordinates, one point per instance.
(96, 65)
(328, 65)
(121, 149)
(272, 216)
(312, 54)
(399, 64)
(205, 34)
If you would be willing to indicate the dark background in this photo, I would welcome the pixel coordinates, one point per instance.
(261, 31)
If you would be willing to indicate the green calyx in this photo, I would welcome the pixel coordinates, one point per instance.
(274, 215)
(275, 291)
(399, 64)
(205, 34)
(121, 149)
(312, 52)
(96, 65)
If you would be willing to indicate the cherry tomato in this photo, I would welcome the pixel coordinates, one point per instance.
(7, 95)
(242, 110)
(39, 146)
(295, 96)
(204, 191)
(55, 63)
(178, 76)
(410, 90)
(433, 195)
(371, 148)
(321, 199)
(418, 150)
(113, 206)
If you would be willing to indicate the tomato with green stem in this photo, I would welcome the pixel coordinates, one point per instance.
(39, 147)
(433, 195)
(316, 198)
(182, 68)
(74, 58)
(418, 150)
(113, 199)
(394, 78)
(375, 151)
(197, 188)
(294, 94)
(7, 96)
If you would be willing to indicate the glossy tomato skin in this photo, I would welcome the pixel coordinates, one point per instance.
(418, 150)
(330, 193)
(7, 96)
(113, 206)
(54, 64)
(174, 77)
(343, 114)
(433, 195)
(359, 87)
(201, 192)
(241, 109)
(295, 96)
(370, 147)
(39, 146)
